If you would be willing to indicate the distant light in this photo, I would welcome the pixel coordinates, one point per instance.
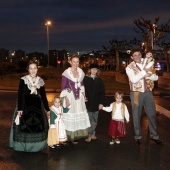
(158, 66)
(48, 23)
(128, 51)
(143, 44)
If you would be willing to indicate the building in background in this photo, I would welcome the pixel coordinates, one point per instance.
(58, 58)
(18, 56)
(41, 58)
(4, 55)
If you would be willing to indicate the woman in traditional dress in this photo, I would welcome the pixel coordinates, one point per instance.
(76, 121)
(30, 125)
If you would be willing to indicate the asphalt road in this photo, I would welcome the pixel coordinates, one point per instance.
(97, 155)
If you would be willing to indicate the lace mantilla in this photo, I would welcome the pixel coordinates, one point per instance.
(39, 82)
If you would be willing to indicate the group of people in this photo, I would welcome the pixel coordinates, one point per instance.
(74, 114)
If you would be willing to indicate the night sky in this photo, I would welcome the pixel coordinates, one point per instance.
(77, 25)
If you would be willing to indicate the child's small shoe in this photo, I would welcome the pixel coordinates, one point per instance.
(112, 141)
(94, 137)
(52, 147)
(117, 140)
(75, 142)
(57, 146)
(88, 140)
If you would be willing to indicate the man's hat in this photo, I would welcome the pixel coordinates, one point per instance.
(94, 65)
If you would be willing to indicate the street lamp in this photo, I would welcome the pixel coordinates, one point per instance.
(152, 35)
(48, 23)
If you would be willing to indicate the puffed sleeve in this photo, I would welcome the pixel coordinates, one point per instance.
(65, 83)
(65, 109)
(52, 118)
(108, 108)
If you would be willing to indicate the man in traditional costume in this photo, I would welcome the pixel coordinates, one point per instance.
(141, 96)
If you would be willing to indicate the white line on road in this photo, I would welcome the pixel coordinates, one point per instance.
(163, 111)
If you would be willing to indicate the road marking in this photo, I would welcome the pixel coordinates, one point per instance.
(163, 111)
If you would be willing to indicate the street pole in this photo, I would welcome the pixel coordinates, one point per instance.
(48, 23)
(48, 46)
(152, 35)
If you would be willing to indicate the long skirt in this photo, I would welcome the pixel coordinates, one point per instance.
(58, 134)
(117, 128)
(76, 120)
(30, 135)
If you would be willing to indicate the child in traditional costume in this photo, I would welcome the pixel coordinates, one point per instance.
(95, 94)
(119, 113)
(57, 133)
(149, 62)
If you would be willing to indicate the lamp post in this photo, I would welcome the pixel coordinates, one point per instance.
(48, 23)
(152, 35)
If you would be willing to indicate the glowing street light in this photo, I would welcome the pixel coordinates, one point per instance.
(152, 35)
(48, 23)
